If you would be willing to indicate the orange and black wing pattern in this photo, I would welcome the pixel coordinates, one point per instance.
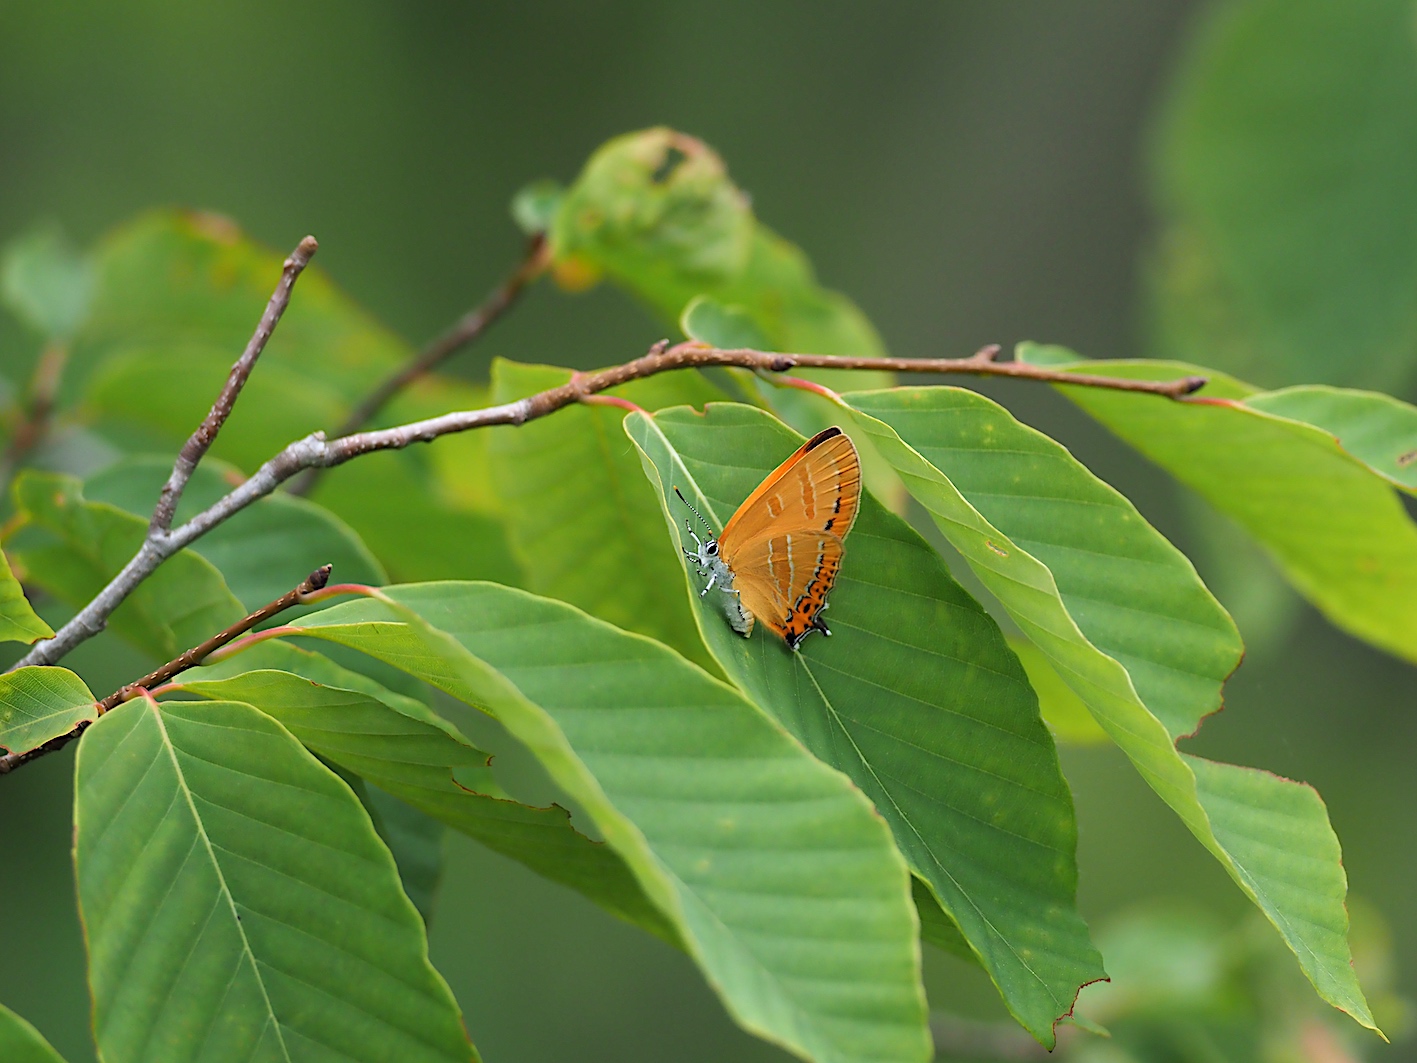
(784, 544)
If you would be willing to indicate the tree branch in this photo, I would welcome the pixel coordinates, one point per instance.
(201, 440)
(465, 330)
(312, 583)
(316, 452)
(39, 404)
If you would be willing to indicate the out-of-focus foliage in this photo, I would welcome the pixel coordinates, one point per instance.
(1289, 249)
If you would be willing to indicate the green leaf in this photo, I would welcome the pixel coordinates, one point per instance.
(215, 854)
(1123, 618)
(18, 620)
(655, 210)
(46, 282)
(72, 547)
(1338, 532)
(37, 704)
(22, 1043)
(1377, 429)
(1283, 172)
(918, 699)
(264, 550)
(721, 325)
(1062, 710)
(584, 523)
(782, 883)
(535, 205)
(412, 753)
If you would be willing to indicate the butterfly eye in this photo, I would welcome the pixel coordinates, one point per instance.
(711, 548)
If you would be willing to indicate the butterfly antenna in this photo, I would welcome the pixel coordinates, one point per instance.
(696, 512)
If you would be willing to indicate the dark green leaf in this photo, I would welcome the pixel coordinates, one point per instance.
(238, 903)
(22, 1043)
(415, 839)
(729, 826)
(37, 704)
(72, 547)
(919, 700)
(1123, 618)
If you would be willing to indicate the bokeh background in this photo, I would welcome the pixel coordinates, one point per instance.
(968, 173)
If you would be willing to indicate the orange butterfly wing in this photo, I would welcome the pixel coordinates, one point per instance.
(784, 544)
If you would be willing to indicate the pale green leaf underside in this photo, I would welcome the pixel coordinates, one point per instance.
(780, 880)
(409, 752)
(1124, 619)
(1338, 532)
(918, 699)
(37, 704)
(22, 1043)
(238, 903)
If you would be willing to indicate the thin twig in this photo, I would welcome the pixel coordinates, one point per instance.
(312, 583)
(201, 440)
(316, 452)
(39, 404)
(465, 330)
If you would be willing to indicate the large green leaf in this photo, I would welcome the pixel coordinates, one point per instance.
(18, 620)
(22, 1043)
(583, 521)
(1338, 532)
(37, 704)
(262, 551)
(916, 697)
(72, 547)
(1123, 618)
(1291, 248)
(410, 752)
(780, 880)
(238, 903)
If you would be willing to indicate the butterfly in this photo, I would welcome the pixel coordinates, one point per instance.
(781, 551)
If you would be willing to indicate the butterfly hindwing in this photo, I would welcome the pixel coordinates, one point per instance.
(784, 579)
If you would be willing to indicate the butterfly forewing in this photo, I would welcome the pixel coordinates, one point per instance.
(784, 543)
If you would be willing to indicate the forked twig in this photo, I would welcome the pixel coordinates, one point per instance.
(312, 583)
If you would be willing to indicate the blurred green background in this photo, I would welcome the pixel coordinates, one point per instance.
(968, 173)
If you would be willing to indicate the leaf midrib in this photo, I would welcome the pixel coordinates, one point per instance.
(200, 827)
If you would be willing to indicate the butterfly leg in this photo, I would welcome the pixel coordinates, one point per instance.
(712, 580)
